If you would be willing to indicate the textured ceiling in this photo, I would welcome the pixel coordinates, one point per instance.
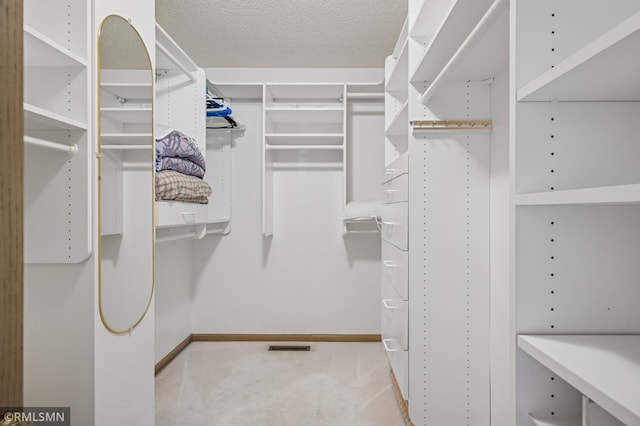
(284, 33)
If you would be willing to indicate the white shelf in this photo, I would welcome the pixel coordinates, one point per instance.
(128, 115)
(126, 138)
(36, 118)
(482, 55)
(311, 138)
(619, 194)
(397, 82)
(177, 59)
(129, 90)
(555, 421)
(304, 93)
(605, 368)
(460, 20)
(303, 147)
(399, 125)
(41, 51)
(606, 69)
(305, 114)
(429, 19)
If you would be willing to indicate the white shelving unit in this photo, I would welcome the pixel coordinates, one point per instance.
(576, 201)
(605, 368)
(57, 102)
(440, 27)
(126, 143)
(309, 118)
(438, 226)
(181, 82)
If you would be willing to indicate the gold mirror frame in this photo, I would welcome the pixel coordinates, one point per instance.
(106, 324)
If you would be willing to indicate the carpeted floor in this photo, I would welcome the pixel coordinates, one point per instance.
(243, 384)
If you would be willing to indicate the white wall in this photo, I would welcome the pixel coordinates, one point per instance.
(307, 278)
(173, 294)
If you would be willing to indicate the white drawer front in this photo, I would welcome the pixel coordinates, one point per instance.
(396, 190)
(176, 213)
(395, 224)
(395, 316)
(395, 268)
(399, 361)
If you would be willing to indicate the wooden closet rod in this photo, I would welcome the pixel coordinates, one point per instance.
(56, 146)
(451, 125)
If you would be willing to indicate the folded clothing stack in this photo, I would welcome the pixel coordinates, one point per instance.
(180, 167)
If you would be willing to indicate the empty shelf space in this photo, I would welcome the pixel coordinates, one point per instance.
(310, 95)
(41, 51)
(130, 90)
(459, 22)
(618, 194)
(240, 91)
(400, 123)
(125, 138)
(128, 115)
(554, 421)
(305, 115)
(36, 118)
(605, 368)
(605, 69)
(397, 82)
(304, 138)
(482, 55)
(305, 147)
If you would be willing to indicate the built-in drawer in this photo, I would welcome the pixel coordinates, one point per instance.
(177, 213)
(397, 167)
(395, 224)
(395, 268)
(396, 190)
(395, 316)
(399, 360)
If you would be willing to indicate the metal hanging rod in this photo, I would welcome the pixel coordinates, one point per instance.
(482, 126)
(173, 59)
(56, 146)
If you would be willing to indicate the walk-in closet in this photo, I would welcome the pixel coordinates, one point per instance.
(404, 212)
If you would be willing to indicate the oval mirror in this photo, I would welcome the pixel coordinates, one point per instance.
(125, 170)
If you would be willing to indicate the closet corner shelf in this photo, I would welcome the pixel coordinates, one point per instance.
(172, 55)
(399, 125)
(604, 368)
(555, 421)
(36, 118)
(443, 41)
(41, 51)
(604, 195)
(606, 69)
(479, 57)
(398, 77)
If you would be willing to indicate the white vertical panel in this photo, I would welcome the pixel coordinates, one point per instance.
(449, 281)
(218, 174)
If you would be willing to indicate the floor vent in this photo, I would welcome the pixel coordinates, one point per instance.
(290, 348)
